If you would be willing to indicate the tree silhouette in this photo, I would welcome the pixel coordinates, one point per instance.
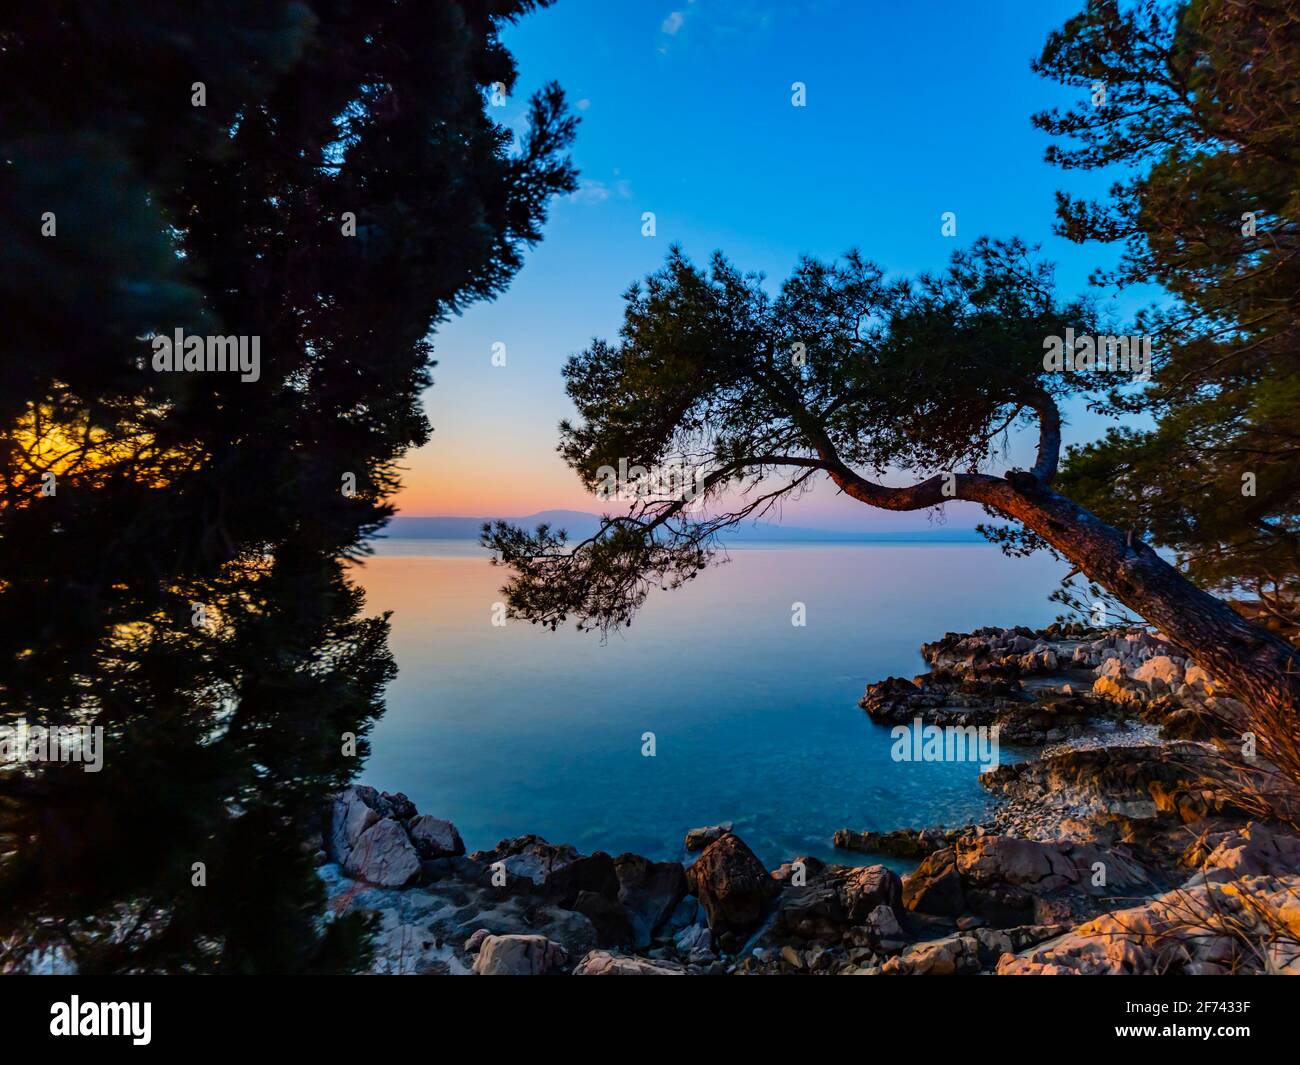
(328, 178)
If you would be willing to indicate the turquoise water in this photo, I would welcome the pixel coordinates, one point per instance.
(509, 730)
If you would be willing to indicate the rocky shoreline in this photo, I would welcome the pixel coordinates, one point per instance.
(1111, 850)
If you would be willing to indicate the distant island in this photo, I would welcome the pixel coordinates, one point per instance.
(580, 525)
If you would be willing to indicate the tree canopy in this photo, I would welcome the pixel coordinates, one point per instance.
(1200, 102)
(843, 372)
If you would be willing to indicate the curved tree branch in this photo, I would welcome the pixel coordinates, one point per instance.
(1049, 436)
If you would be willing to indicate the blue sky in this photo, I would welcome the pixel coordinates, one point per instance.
(913, 109)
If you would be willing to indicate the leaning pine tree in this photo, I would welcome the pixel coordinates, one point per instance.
(847, 375)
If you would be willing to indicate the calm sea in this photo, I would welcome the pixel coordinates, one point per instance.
(510, 730)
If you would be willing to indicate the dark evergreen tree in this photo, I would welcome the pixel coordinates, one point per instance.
(1200, 102)
(200, 167)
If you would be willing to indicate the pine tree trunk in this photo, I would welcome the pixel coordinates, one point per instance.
(1261, 668)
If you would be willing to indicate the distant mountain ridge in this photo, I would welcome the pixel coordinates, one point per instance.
(579, 525)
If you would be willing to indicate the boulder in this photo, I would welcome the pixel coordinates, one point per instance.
(935, 887)
(683, 916)
(1159, 669)
(811, 912)
(694, 938)
(573, 932)
(1253, 850)
(838, 899)
(595, 873)
(426, 928)
(1005, 905)
(529, 856)
(608, 917)
(603, 963)
(650, 892)
(1191, 930)
(953, 956)
(383, 856)
(397, 806)
(1008, 881)
(799, 871)
(1008, 868)
(1119, 781)
(349, 816)
(900, 843)
(1118, 690)
(434, 838)
(1112, 667)
(1005, 859)
(882, 924)
(699, 838)
(517, 956)
(867, 887)
(731, 884)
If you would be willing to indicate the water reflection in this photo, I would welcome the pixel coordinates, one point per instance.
(513, 729)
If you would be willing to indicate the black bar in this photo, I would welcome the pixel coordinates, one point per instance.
(352, 1014)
